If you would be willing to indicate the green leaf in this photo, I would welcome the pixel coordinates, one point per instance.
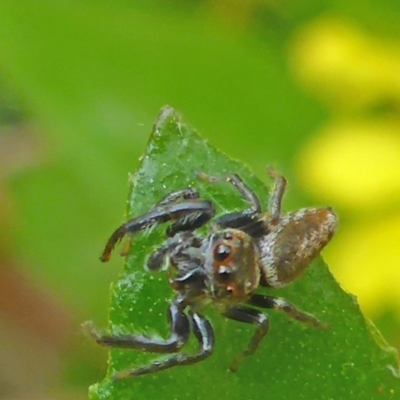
(348, 361)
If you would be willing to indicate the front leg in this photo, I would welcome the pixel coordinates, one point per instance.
(180, 330)
(249, 316)
(173, 197)
(188, 222)
(186, 215)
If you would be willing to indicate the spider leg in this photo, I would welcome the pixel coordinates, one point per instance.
(249, 316)
(189, 222)
(236, 181)
(202, 209)
(184, 194)
(253, 225)
(180, 330)
(157, 257)
(275, 202)
(204, 334)
(248, 220)
(279, 303)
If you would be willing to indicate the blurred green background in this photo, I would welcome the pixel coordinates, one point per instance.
(310, 87)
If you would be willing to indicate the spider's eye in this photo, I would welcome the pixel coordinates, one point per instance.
(224, 275)
(222, 252)
(228, 235)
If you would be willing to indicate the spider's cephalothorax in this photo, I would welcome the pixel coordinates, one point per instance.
(244, 251)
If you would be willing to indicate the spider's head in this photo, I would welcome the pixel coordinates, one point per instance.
(232, 265)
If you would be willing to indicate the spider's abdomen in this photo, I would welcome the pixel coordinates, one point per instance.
(293, 242)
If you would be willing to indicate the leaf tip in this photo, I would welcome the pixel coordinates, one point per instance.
(165, 114)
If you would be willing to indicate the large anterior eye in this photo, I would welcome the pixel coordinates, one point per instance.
(222, 252)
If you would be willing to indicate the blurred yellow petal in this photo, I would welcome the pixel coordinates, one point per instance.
(354, 165)
(344, 65)
(366, 261)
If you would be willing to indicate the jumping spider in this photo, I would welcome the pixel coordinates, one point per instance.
(245, 250)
